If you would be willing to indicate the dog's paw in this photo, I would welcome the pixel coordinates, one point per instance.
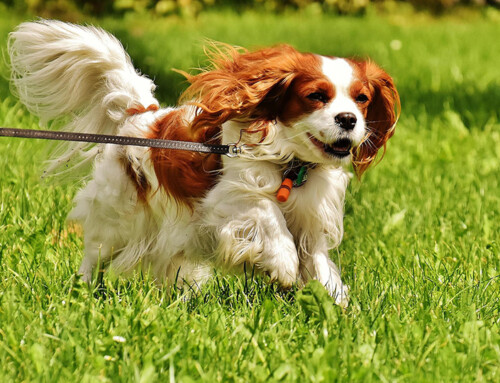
(285, 278)
(340, 293)
(329, 276)
(337, 290)
(286, 273)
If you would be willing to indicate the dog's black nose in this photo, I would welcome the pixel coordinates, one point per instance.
(346, 121)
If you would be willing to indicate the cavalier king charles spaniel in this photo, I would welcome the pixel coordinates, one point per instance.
(179, 214)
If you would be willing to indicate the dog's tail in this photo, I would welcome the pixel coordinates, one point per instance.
(78, 78)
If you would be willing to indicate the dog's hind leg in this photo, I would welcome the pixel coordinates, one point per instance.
(101, 227)
(114, 219)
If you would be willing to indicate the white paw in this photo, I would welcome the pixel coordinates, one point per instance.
(333, 284)
(284, 268)
(329, 275)
(286, 276)
(340, 293)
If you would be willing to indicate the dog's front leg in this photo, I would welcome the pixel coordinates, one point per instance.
(255, 232)
(316, 264)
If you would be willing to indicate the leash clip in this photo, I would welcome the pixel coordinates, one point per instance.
(234, 150)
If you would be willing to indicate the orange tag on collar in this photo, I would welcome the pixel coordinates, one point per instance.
(284, 190)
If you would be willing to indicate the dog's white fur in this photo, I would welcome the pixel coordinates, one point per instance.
(83, 75)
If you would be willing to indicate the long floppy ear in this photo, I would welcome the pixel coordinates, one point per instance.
(381, 117)
(240, 85)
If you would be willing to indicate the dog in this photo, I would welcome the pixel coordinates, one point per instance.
(180, 214)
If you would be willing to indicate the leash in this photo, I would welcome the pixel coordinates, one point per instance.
(231, 150)
(294, 176)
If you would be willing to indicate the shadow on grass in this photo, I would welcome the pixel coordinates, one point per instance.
(476, 106)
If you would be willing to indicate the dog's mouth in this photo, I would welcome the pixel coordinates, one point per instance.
(340, 148)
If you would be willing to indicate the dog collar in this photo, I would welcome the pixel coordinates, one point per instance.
(295, 175)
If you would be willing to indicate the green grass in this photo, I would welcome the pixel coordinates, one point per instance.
(421, 247)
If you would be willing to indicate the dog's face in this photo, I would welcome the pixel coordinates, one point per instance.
(324, 112)
(327, 110)
(331, 110)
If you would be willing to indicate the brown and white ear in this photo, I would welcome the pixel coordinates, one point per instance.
(382, 115)
(240, 85)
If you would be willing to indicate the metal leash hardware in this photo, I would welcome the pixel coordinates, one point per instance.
(231, 150)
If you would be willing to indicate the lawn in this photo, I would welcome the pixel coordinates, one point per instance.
(420, 252)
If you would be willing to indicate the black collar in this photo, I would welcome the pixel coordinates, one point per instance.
(297, 170)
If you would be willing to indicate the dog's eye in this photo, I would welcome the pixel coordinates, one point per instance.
(318, 96)
(362, 98)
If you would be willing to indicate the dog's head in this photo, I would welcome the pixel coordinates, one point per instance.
(329, 110)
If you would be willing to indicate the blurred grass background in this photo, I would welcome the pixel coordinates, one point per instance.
(421, 247)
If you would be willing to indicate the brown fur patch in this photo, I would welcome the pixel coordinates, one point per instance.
(141, 109)
(297, 104)
(138, 179)
(250, 86)
(184, 175)
(381, 111)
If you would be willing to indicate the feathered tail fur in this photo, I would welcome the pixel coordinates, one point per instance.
(79, 78)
